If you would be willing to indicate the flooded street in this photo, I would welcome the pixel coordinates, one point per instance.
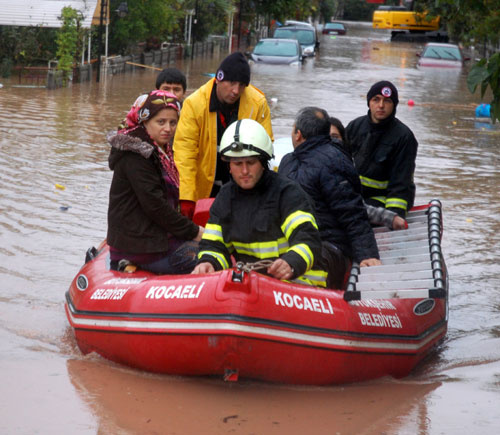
(50, 138)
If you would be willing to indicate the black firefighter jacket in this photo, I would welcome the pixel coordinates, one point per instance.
(272, 220)
(384, 155)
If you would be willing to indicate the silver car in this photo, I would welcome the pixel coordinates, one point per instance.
(277, 51)
(306, 35)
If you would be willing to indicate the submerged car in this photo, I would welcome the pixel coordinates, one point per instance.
(306, 35)
(277, 51)
(436, 54)
(334, 28)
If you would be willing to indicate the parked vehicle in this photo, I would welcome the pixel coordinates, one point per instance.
(442, 55)
(334, 28)
(400, 18)
(298, 23)
(306, 35)
(277, 51)
(408, 25)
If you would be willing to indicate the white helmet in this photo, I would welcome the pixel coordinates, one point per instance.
(245, 138)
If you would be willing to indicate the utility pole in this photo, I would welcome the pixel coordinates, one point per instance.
(99, 45)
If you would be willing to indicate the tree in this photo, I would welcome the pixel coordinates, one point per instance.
(151, 21)
(358, 10)
(27, 45)
(487, 74)
(478, 22)
(67, 40)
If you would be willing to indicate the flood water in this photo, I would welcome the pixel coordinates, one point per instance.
(58, 137)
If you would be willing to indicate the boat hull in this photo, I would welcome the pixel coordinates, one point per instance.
(260, 328)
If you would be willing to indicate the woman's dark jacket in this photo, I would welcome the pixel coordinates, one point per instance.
(140, 217)
(327, 174)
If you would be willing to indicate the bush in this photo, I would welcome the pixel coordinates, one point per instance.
(6, 67)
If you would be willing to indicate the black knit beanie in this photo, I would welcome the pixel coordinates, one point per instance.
(384, 88)
(234, 68)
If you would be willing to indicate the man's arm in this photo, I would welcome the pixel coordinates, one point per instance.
(401, 187)
(346, 204)
(186, 149)
(254, 105)
(213, 249)
(300, 229)
(385, 217)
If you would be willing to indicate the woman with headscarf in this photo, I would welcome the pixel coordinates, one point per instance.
(144, 224)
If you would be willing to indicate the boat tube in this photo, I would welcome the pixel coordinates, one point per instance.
(240, 323)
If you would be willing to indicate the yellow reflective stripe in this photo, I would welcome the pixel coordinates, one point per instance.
(262, 250)
(218, 256)
(379, 198)
(214, 232)
(396, 203)
(296, 219)
(305, 253)
(316, 278)
(374, 184)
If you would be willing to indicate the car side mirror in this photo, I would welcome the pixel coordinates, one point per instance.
(418, 54)
(466, 59)
(247, 54)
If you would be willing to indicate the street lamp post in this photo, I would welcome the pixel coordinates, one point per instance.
(189, 14)
(99, 36)
(122, 12)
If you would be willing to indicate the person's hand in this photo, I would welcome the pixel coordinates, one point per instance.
(280, 269)
(203, 268)
(398, 223)
(370, 262)
(187, 208)
(198, 237)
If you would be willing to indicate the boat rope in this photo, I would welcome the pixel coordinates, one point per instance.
(248, 267)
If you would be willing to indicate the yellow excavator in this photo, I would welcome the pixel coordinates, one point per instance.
(403, 20)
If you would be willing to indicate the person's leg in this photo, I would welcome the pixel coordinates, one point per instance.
(336, 264)
(181, 261)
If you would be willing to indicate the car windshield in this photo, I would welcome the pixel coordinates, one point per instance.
(304, 36)
(335, 26)
(276, 48)
(447, 53)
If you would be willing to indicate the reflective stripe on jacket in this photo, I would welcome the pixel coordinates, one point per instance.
(384, 155)
(273, 220)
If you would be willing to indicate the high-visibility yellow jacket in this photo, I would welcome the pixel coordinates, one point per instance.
(195, 142)
(272, 220)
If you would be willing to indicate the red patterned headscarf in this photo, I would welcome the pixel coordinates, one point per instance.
(147, 106)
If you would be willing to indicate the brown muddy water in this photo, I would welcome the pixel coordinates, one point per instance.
(58, 137)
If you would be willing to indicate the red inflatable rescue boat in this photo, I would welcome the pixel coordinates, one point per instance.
(235, 323)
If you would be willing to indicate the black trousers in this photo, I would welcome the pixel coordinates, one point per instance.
(336, 264)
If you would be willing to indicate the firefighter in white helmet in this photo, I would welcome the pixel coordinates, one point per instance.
(260, 215)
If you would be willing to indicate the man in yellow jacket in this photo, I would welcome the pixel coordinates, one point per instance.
(205, 115)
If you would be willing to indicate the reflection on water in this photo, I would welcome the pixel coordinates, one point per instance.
(58, 137)
(166, 404)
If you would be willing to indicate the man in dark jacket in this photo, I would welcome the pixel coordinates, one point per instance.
(260, 215)
(327, 174)
(384, 151)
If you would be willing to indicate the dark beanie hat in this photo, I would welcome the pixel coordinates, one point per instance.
(384, 88)
(234, 68)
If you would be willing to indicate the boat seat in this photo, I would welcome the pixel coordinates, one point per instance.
(412, 261)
